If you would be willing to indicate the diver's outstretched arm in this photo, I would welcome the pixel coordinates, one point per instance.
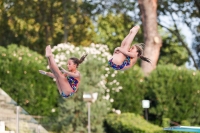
(75, 75)
(47, 73)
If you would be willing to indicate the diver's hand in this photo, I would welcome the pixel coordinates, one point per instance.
(63, 70)
(117, 50)
(42, 72)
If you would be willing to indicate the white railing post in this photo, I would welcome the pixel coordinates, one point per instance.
(38, 128)
(17, 126)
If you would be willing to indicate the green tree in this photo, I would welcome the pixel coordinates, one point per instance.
(126, 90)
(172, 51)
(188, 14)
(174, 94)
(37, 23)
(112, 29)
(129, 123)
(21, 80)
(182, 13)
(111, 33)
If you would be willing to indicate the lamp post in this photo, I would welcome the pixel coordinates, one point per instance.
(89, 98)
(146, 105)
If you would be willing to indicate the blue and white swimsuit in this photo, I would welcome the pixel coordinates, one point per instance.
(119, 67)
(73, 83)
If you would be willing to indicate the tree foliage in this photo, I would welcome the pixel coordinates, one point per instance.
(129, 123)
(172, 52)
(37, 23)
(125, 89)
(182, 13)
(21, 80)
(178, 13)
(112, 29)
(173, 92)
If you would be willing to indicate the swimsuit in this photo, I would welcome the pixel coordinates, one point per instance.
(119, 67)
(73, 83)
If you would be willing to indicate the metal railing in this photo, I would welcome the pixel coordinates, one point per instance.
(16, 118)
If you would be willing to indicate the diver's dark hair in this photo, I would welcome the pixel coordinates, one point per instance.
(140, 50)
(145, 59)
(78, 61)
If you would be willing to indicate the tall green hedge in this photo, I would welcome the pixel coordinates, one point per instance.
(126, 89)
(19, 77)
(174, 93)
(129, 123)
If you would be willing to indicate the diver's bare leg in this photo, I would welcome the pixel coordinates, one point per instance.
(61, 81)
